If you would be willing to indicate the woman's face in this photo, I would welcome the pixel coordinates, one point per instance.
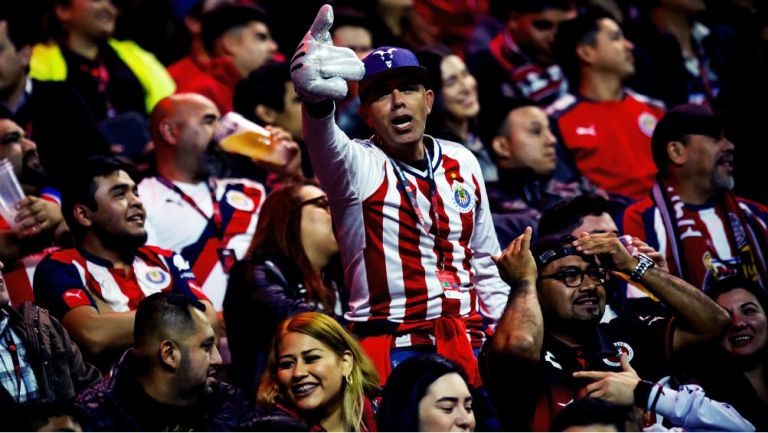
(316, 228)
(749, 329)
(447, 406)
(459, 89)
(311, 374)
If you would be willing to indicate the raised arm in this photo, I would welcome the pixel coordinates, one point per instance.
(698, 318)
(520, 331)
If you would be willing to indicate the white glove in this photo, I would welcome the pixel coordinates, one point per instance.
(318, 69)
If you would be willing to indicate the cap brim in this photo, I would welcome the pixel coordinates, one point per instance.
(418, 72)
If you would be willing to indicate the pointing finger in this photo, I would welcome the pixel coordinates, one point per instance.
(322, 24)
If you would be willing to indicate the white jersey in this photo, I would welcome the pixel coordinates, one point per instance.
(176, 224)
(390, 260)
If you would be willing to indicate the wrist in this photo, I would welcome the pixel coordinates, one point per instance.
(643, 265)
(642, 393)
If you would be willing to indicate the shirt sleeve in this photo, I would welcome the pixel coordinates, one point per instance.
(59, 287)
(690, 409)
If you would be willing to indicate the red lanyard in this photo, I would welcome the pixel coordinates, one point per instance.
(216, 218)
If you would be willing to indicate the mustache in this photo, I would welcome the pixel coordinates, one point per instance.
(727, 157)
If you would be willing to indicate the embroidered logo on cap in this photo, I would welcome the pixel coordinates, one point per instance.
(386, 56)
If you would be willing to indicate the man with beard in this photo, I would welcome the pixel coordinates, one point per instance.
(219, 215)
(166, 382)
(95, 287)
(552, 327)
(39, 217)
(691, 214)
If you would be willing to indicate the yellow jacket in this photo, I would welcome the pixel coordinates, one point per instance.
(47, 64)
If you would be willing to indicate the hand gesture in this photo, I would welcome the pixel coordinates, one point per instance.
(318, 69)
(516, 262)
(287, 147)
(613, 255)
(656, 256)
(617, 388)
(37, 215)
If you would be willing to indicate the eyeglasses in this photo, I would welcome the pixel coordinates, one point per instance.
(319, 201)
(574, 277)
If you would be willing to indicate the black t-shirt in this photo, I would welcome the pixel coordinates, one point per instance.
(527, 396)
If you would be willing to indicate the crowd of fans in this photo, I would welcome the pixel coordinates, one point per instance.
(478, 215)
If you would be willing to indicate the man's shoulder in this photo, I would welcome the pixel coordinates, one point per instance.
(653, 103)
(562, 106)
(68, 256)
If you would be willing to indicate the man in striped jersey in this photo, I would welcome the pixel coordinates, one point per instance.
(410, 211)
(95, 288)
(706, 232)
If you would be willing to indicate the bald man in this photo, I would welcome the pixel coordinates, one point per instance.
(209, 220)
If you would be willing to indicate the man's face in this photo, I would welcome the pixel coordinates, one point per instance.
(602, 223)
(396, 110)
(290, 118)
(251, 46)
(13, 63)
(199, 359)
(194, 123)
(709, 162)
(612, 52)
(22, 153)
(561, 303)
(357, 39)
(531, 142)
(118, 219)
(94, 19)
(535, 32)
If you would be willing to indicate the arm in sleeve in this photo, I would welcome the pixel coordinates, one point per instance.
(689, 408)
(492, 291)
(58, 287)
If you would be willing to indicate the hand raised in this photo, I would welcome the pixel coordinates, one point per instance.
(516, 262)
(319, 70)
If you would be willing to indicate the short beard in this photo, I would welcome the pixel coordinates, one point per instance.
(722, 184)
(32, 172)
(125, 243)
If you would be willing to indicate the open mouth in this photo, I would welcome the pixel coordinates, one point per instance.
(402, 123)
(304, 389)
(138, 218)
(587, 301)
(740, 340)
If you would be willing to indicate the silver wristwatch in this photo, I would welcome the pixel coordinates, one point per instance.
(643, 264)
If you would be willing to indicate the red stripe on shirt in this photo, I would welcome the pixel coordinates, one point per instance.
(373, 255)
(414, 278)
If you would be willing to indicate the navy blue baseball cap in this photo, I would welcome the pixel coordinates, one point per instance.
(387, 62)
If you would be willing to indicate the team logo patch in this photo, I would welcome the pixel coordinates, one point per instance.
(621, 347)
(156, 278)
(461, 198)
(240, 201)
(647, 123)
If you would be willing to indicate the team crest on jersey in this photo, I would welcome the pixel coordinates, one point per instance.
(621, 347)
(156, 278)
(647, 123)
(462, 198)
(240, 201)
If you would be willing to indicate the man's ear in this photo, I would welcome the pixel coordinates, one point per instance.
(26, 54)
(63, 12)
(266, 114)
(170, 355)
(677, 152)
(363, 112)
(500, 145)
(167, 131)
(430, 95)
(585, 53)
(83, 215)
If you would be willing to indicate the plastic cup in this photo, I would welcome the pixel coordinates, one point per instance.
(10, 193)
(627, 241)
(236, 134)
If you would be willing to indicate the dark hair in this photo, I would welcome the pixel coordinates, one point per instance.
(565, 216)
(164, 313)
(81, 187)
(226, 17)
(265, 85)
(348, 16)
(714, 287)
(570, 34)
(278, 234)
(503, 9)
(407, 385)
(587, 411)
(22, 28)
(431, 57)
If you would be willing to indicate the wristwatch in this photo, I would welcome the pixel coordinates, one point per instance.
(643, 264)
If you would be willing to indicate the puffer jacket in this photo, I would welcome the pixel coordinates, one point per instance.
(56, 361)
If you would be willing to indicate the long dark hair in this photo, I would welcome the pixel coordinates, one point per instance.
(278, 235)
(407, 385)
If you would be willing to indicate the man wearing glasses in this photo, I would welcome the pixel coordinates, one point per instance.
(552, 328)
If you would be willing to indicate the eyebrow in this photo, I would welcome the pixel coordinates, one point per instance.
(306, 352)
(11, 137)
(452, 399)
(120, 187)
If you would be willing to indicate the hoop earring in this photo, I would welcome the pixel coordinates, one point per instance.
(348, 377)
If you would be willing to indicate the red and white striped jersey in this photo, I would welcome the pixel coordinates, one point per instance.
(390, 261)
(175, 224)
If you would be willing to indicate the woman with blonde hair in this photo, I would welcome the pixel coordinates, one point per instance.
(318, 372)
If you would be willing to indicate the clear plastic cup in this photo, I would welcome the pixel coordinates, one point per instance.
(236, 134)
(627, 241)
(10, 193)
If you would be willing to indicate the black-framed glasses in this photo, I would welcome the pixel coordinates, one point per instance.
(319, 201)
(573, 276)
